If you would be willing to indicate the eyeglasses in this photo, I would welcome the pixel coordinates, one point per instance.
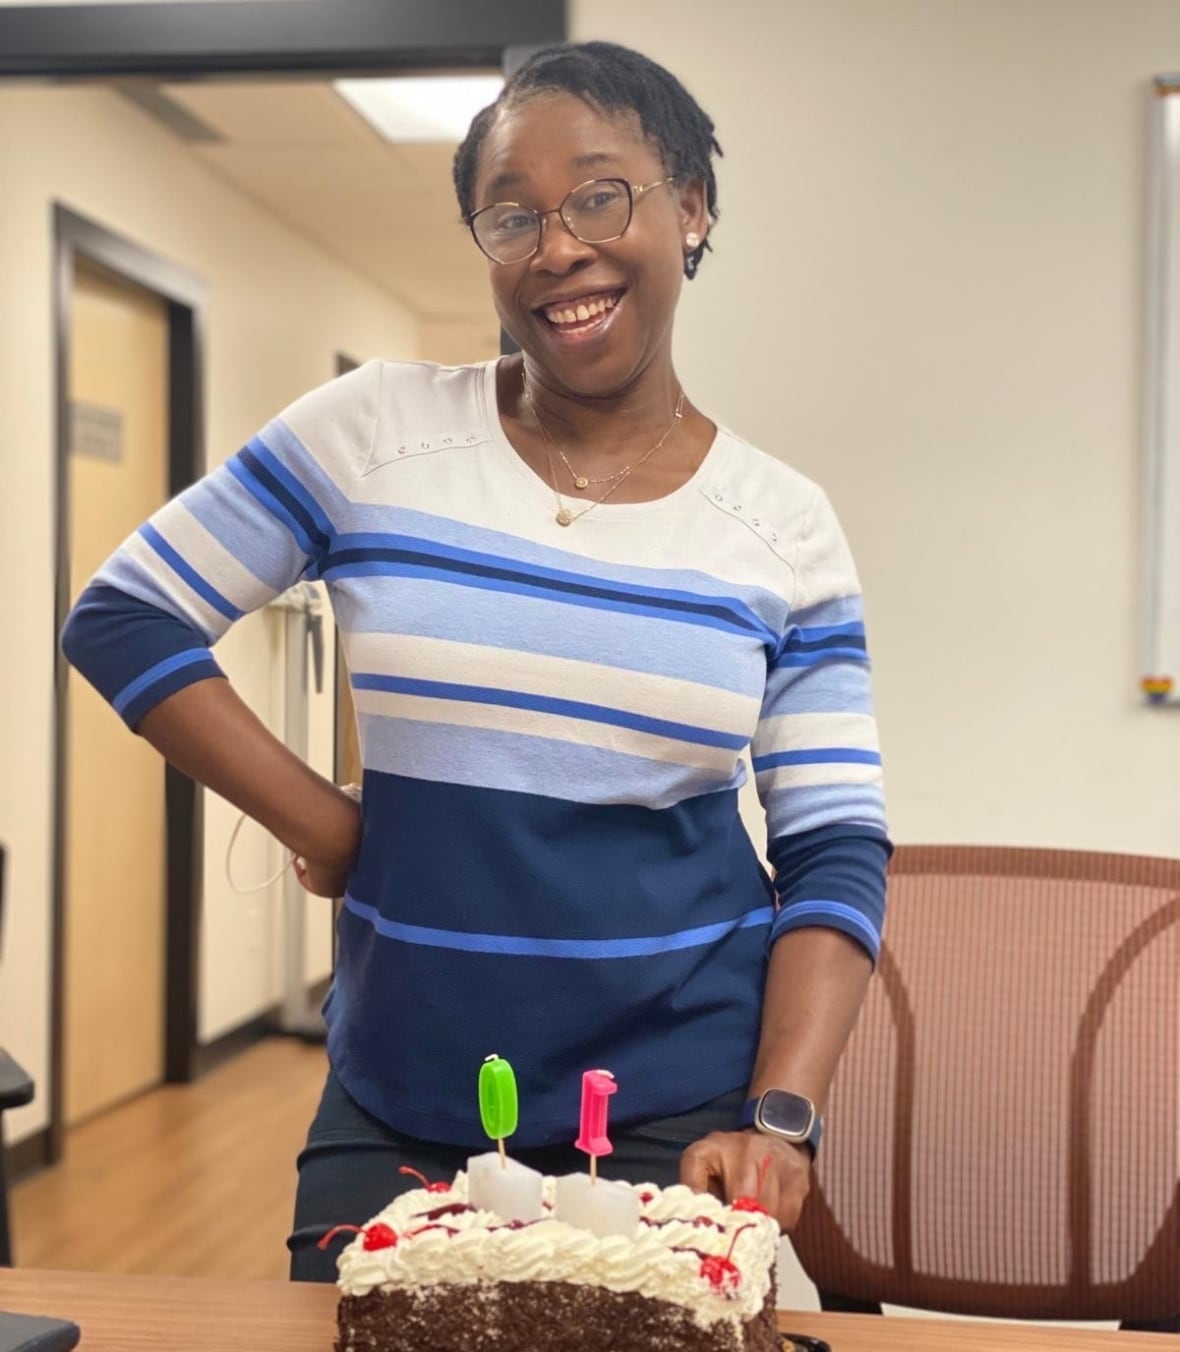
(594, 212)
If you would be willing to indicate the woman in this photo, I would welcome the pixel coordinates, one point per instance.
(569, 602)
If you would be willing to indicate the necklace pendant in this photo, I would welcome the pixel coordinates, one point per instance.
(564, 517)
(580, 482)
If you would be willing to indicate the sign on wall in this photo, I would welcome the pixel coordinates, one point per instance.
(96, 431)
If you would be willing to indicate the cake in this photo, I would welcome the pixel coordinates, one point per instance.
(433, 1272)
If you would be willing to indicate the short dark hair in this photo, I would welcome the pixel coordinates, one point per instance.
(615, 79)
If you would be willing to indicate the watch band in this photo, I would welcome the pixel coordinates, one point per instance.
(748, 1114)
(748, 1117)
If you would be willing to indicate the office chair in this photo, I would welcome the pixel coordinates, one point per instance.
(1004, 1128)
(16, 1089)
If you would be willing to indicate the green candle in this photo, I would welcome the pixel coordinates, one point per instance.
(497, 1099)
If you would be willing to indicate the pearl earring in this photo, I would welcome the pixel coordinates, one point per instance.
(692, 241)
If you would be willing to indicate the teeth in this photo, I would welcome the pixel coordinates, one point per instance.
(580, 311)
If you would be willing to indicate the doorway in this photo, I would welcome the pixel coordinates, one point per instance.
(302, 38)
(113, 1040)
(124, 979)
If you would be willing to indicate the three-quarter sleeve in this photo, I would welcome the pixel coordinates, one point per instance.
(144, 626)
(816, 755)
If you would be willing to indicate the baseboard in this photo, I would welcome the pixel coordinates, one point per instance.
(35, 1152)
(222, 1049)
(29, 1155)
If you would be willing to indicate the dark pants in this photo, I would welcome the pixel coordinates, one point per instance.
(348, 1171)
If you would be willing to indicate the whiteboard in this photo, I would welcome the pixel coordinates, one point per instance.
(1160, 654)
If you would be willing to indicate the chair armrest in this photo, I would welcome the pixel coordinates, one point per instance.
(16, 1088)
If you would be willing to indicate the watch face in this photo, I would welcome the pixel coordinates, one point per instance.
(790, 1114)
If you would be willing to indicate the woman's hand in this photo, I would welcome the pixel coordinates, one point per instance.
(328, 876)
(729, 1164)
(322, 880)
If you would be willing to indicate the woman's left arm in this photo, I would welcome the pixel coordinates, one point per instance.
(818, 769)
(815, 985)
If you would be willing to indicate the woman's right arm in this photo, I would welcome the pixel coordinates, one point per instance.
(143, 630)
(208, 733)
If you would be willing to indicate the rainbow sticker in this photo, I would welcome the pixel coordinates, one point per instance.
(1157, 688)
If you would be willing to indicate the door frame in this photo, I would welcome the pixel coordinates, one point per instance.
(75, 238)
(290, 37)
(194, 40)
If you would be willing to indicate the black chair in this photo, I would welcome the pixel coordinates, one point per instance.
(16, 1089)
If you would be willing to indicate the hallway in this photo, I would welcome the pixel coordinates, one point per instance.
(194, 1180)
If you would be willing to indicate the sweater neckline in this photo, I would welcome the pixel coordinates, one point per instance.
(609, 511)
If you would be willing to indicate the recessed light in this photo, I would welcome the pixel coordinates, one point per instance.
(421, 108)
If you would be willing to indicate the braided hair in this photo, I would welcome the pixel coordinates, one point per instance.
(614, 79)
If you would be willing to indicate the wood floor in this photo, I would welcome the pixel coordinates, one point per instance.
(195, 1180)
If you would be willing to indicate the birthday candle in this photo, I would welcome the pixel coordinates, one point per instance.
(602, 1207)
(499, 1110)
(597, 1087)
(494, 1182)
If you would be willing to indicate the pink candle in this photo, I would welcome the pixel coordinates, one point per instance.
(597, 1087)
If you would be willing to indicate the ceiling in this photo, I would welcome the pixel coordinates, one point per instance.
(300, 151)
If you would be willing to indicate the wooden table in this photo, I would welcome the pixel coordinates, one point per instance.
(191, 1314)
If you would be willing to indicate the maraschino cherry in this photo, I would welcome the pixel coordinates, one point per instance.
(426, 1183)
(722, 1273)
(752, 1203)
(377, 1236)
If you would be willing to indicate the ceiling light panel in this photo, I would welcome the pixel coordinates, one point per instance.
(421, 108)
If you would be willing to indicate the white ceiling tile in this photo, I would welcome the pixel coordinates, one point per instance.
(387, 210)
(276, 112)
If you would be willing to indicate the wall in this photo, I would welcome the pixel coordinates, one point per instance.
(279, 311)
(928, 277)
(454, 342)
(927, 280)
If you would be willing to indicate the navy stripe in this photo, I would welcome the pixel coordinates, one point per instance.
(797, 644)
(182, 568)
(273, 505)
(294, 486)
(547, 704)
(820, 755)
(376, 569)
(810, 632)
(441, 561)
(643, 591)
(519, 946)
(792, 657)
(318, 542)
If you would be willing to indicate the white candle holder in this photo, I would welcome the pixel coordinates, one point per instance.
(504, 1186)
(598, 1205)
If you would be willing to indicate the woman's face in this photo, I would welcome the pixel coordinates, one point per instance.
(533, 155)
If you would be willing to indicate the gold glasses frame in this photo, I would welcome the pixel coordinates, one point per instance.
(634, 193)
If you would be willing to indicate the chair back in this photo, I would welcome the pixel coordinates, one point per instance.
(1004, 1127)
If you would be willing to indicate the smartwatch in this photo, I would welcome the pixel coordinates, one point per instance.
(791, 1117)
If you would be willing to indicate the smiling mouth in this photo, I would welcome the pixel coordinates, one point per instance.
(583, 315)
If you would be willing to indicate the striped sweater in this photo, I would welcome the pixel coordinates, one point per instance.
(552, 724)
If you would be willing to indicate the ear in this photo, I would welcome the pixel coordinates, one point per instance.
(692, 210)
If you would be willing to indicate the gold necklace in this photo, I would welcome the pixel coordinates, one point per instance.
(564, 516)
(582, 481)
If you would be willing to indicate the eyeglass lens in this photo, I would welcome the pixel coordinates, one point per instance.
(594, 212)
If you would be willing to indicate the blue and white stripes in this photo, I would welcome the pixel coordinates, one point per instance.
(553, 726)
